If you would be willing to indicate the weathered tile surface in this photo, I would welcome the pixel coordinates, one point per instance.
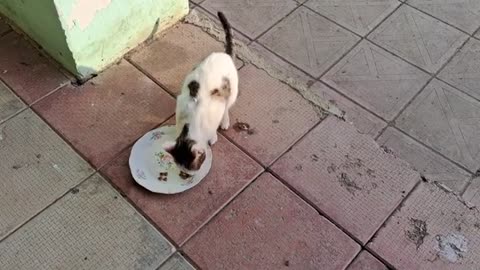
(432, 230)
(251, 17)
(309, 41)
(366, 261)
(472, 193)
(29, 74)
(277, 116)
(431, 165)
(464, 14)
(360, 16)
(365, 121)
(446, 120)
(464, 70)
(9, 103)
(36, 167)
(376, 79)
(347, 176)
(418, 38)
(182, 214)
(269, 227)
(176, 262)
(105, 115)
(175, 53)
(91, 227)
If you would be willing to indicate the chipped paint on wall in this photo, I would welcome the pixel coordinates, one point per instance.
(84, 11)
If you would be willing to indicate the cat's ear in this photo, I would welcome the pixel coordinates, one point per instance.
(193, 87)
(169, 146)
(199, 158)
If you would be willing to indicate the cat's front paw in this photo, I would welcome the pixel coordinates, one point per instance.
(213, 140)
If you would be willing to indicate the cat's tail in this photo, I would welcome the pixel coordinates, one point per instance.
(228, 34)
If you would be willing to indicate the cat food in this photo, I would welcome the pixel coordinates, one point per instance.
(184, 175)
(163, 176)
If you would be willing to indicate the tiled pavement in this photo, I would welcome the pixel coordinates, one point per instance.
(299, 191)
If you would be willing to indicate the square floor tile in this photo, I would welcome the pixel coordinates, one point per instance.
(360, 16)
(182, 214)
(175, 53)
(91, 227)
(376, 79)
(463, 71)
(276, 114)
(366, 261)
(9, 103)
(418, 38)
(269, 227)
(431, 165)
(464, 14)
(472, 193)
(29, 74)
(364, 121)
(251, 17)
(176, 262)
(37, 167)
(108, 113)
(347, 176)
(309, 41)
(446, 120)
(433, 230)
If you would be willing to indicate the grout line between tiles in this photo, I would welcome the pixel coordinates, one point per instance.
(458, 89)
(438, 19)
(277, 22)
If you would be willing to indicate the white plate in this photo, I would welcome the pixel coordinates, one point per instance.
(148, 159)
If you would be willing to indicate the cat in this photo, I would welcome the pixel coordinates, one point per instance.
(208, 93)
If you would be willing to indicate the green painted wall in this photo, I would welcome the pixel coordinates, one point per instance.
(39, 20)
(88, 35)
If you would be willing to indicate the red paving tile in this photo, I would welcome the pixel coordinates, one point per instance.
(366, 261)
(276, 114)
(181, 215)
(269, 227)
(161, 59)
(105, 115)
(347, 176)
(433, 230)
(29, 74)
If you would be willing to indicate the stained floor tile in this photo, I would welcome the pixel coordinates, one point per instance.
(376, 79)
(360, 16)
(431, 165)
(464, 14)
(91, 227)
(446, 120)
(464, 70)
(161, 58)
(176, 262)
(432, 230)
(106, 115)
(366, 261)
(37, 168)
(347, 176)
(251, 17)
(9, 103)
(309, 41)
(269, 227)
(25, 70)
(285, 115)
(182, 214)
(365, 121)
(418, 38)
(472, 193)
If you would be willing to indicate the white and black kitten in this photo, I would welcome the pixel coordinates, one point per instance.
(203, 105)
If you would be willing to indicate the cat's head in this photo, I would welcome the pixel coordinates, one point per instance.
(187, 153)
